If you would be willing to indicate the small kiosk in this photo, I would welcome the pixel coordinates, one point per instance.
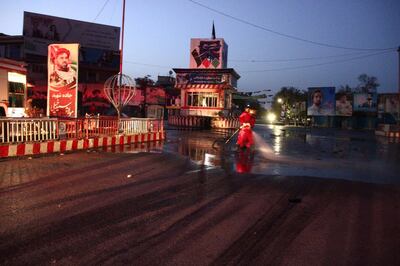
(206, 86)
(12, 88)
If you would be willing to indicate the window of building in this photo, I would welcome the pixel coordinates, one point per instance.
(15, 51)
(16, 94)
(202, 99)
(16, 89)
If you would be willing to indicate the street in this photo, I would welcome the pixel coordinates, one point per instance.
(316, 197)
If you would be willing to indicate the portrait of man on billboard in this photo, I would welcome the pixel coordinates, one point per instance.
(365, 102)
(63, 71)
(344, 106)
(321, 101)
(62, 92)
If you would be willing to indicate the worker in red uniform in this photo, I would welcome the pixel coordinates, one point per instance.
(247, 121)
(244, 161)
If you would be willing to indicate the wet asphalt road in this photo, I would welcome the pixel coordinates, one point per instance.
(183, 203)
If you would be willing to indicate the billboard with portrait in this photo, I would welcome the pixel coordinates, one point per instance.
(365, 102)
(208, 53)
(344, 104)
(62, 88)
(41, 30)
(389, 103)
(321, 101)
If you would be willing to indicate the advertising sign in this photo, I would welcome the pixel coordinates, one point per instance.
(365, 102)
(62, 88)
(41, 30)
(201, 78)
(344, 105)
(321, 101)
(389, 103)
(208, 53)
(392, 104)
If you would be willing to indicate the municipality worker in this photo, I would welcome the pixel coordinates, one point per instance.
(247, 121)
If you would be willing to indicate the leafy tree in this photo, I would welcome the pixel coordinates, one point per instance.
(142, 84)
(289, 100)
(289, 97)
(367, 83)
(345, 89)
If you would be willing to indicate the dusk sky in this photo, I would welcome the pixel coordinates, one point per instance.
(157, 36)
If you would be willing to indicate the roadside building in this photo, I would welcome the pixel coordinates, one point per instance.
(206, 87)
(98, 57)
(13, 91)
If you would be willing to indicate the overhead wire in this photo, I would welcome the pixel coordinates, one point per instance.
(284, 34)
(144, 64)
(113, 12)
(296, 59)
(285, 68)
(320, 64)
(101, 10)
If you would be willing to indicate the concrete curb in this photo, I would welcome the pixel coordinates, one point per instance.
(23, 149)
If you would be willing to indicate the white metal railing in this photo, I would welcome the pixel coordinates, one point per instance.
(41, 129)
(141, 125)
(27, 130)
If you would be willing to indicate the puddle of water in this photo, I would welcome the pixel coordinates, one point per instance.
(282, 152)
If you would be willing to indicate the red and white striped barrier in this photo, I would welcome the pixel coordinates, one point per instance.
(22, 149)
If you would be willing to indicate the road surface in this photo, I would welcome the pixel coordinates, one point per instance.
(162, 208)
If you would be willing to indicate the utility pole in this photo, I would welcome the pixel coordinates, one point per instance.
(398, 105)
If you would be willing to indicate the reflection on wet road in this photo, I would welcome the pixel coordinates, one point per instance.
(326, 153)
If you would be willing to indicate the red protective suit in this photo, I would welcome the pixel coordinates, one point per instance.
(245, 138)
(244, 161)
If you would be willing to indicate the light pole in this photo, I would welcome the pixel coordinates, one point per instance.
(398, 105)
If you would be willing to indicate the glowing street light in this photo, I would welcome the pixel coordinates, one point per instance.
(280, 100)
(271, 117)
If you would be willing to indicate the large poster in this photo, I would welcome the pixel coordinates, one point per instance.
(389, 103)
(365, 102)
(201, 78)
(344, 105)
(62, 88)
(41, 30)
(321, 101)
(208, 53)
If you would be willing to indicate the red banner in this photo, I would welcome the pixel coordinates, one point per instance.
(62, 88)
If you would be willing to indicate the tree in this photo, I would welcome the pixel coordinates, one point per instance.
(345, 89)
(142, 84)
(290, 100)
(367, 83)
(289, 96)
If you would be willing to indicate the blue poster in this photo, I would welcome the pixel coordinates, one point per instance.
(321, 101)
(365, 102)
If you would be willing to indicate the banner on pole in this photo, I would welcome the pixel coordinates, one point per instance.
(62, 83)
